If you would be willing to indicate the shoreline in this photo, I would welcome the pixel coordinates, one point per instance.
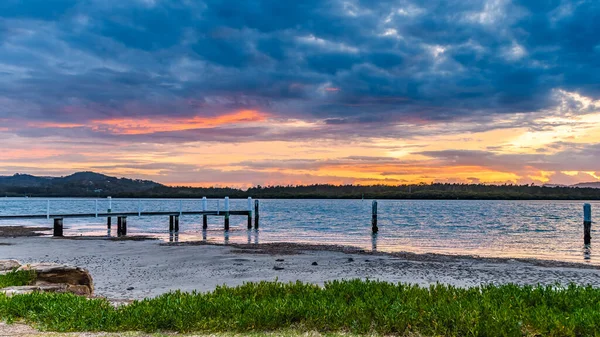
(126, 270)
(295, 247)
(291, 248)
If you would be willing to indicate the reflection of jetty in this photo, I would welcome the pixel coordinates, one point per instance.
(226, 212)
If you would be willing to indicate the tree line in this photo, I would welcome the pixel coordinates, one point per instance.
(320, 191)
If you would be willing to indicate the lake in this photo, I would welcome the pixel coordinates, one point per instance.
(530, 229)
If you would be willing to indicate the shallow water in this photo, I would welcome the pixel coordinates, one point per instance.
(533, 229)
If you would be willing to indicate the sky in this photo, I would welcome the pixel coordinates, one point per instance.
(244, 93)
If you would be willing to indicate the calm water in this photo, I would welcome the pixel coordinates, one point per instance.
(539, 229)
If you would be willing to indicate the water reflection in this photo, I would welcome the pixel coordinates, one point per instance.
(204, 234)
(587, 252)
(527, 229)
(173, 236)
(374, 242)
(226, 237)
(108, 232)
(249, 236)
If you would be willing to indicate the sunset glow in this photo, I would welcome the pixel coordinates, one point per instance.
(397, 93)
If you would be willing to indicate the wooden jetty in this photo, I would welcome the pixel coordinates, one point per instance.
(226, 212)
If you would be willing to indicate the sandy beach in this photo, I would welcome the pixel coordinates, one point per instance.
(139, 269)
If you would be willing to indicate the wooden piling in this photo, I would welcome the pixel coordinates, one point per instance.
(121, 226)
(374, 228)
(204, 221)
(249, 213)
(176, 225)
(587, 224)
(58, 227)
(226, 213)
(256, 215)
(109, 210)
(171, 223)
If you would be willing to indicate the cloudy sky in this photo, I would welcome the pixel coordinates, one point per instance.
(251, 92)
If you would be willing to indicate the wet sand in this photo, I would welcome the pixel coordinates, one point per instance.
(153, 267)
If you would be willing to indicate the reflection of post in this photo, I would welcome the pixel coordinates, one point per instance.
(204, 235)
(256, 236)
(226, 237)
(374, 242)
(249, 237)
(587, 252)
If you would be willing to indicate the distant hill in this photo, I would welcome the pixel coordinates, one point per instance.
(77, 184)
(588, 185)
(91, 184)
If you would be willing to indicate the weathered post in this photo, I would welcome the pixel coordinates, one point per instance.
(256, 215)
(171, 223)
(226, 213)
(587, 224)
(109, 219)
(204, 216)
(58, 227)
(374, 228)
(119, 225)
(249, 212)
(176, 226)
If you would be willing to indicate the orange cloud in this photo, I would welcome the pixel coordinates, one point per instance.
(133, 126)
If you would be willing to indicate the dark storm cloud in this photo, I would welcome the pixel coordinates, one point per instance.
(343, 62)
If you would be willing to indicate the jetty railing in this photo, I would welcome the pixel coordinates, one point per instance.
(136, 207)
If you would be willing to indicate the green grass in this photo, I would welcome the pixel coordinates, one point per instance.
(354, 306)
(17, 278)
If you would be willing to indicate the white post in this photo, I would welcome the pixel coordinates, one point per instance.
(180, 207)
(96, 200)
(109, 204)
(218, 206)
(226, 204)
(250, 205)
(204, 204)
(48, 209)
(139, 208)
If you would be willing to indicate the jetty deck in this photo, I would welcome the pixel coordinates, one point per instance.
(58, 218)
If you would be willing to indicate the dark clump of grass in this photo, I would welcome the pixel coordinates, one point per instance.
(17, 278)
(349, 306)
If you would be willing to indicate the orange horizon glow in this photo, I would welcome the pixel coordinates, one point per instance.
(381, 160)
